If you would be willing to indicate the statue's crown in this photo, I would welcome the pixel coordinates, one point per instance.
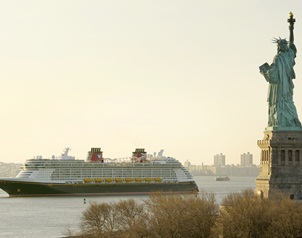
(280, 41)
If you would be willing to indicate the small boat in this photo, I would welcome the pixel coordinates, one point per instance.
(87, 180)
(128, 180)
(98, 180)
(108, 180)
(222, 178)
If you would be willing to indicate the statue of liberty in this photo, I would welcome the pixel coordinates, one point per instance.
(282, 113)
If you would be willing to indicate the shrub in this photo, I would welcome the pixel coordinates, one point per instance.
(242, 215)
(181, 216)
(247, 215)
(158, 216)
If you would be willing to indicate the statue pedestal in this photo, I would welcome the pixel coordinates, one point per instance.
(280, 163)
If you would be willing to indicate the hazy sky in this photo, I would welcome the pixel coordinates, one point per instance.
(175, 75)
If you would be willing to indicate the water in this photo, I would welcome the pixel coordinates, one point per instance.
(52, 216)
(222, 188)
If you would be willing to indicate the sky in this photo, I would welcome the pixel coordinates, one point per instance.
(182, 76)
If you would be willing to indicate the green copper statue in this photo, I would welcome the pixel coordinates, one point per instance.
(282, 113)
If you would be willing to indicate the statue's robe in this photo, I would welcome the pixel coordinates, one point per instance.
(282, 110)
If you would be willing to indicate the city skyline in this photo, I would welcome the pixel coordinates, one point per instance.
(179, 76)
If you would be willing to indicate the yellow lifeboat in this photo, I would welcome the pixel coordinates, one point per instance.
(108, 180)
(97, 180)
(148, 179)
(138, 180)
(87, 180)
(118, 180)
(128, 180)
(158, 179)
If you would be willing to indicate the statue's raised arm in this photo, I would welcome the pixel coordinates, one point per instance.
(291, 20)
(282, 114)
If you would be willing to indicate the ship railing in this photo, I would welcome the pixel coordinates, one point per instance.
(105, 180)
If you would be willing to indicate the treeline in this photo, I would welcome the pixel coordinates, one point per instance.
(169, 216)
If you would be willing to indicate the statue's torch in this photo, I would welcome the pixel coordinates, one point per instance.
(291, 20)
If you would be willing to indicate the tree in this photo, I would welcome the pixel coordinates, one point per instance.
(181, 216)
(242, 215)
(131, 218)
(99, 220)
(158, 216)
(119, 219)
(247, 215)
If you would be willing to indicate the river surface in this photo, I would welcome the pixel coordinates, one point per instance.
(38, 217)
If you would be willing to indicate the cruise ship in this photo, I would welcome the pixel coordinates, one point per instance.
(64, 175)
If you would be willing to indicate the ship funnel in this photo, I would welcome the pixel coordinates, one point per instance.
(95, 155)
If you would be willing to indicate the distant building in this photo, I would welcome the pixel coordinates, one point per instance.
(219, 160)
(9, 169)
(187, 164)
(246, 160)
(236, 170)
